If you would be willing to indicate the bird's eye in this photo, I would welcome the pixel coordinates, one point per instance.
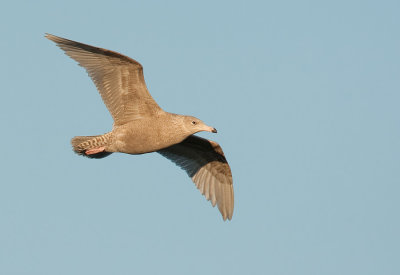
(194, 122)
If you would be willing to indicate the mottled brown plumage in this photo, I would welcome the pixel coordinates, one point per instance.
(141, 126)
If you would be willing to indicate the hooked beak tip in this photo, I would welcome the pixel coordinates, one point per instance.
(214, 130)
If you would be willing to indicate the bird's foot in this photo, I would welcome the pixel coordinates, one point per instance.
(95, 151)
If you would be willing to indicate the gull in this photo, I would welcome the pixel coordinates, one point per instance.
(141, 126)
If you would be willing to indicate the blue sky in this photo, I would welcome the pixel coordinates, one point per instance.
(304, 94)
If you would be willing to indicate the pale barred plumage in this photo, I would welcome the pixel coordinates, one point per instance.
(141, 126)
(81, 144)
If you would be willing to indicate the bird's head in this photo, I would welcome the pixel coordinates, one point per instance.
(194, 125)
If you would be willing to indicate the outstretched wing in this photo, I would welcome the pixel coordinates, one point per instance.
(118, 78)
(205, 163)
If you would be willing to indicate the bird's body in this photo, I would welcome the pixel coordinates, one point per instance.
(146, 135)
(141, 126)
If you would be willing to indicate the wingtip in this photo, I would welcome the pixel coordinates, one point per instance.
(49, 36)
(226, 213)
(55, 38)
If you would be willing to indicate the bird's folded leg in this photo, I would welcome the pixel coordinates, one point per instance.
(95, 151)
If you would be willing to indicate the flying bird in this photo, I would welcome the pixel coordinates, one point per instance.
(141, 126)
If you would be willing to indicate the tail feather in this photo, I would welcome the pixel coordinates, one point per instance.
(81, 144)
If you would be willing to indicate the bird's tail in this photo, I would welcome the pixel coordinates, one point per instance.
(81, 145)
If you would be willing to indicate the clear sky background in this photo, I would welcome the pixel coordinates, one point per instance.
(305, 96)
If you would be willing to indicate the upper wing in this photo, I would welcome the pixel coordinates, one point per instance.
(118, 78)
(205, 163)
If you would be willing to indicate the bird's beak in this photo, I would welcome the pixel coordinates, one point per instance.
(212, 130)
